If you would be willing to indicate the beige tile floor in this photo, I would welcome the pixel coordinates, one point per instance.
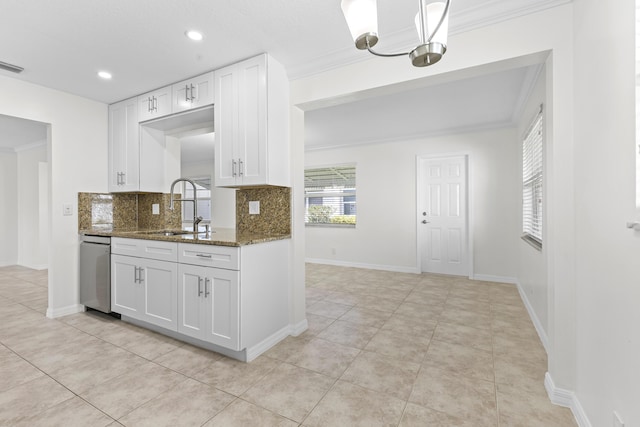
(382, 349)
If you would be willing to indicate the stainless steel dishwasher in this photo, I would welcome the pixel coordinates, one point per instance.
(95, 273)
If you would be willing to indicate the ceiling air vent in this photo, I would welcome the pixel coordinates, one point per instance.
(10, 67)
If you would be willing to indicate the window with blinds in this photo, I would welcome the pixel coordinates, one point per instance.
(532, 187)
(203, 191)
(330, 196)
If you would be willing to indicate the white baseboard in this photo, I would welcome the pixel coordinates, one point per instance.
(267, 343)
(299, 328)
(542, 334)
(394, 268)
(64, 311)
(38, 267)
(496, 279)
(567, 399)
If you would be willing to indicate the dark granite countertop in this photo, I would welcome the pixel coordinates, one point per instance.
(219, 236)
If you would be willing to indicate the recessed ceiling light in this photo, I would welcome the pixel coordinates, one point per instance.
(194, 35)
(104, 75)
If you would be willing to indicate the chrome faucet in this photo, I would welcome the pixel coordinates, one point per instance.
(196, 218)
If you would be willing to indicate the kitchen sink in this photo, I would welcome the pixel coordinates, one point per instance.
(169, 232)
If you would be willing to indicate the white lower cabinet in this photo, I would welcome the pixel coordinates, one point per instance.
(145, 289)
(209, 305)
(235, 298)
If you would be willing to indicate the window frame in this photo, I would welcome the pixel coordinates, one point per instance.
(336, 193)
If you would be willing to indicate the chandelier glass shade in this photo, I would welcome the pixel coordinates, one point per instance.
(432, 24)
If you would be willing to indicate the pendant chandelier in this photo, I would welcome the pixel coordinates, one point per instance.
(432, 23)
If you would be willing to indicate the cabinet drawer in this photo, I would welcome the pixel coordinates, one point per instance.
(209, 256)
(152, 249)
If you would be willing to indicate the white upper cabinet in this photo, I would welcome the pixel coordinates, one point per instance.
(193, 93)
(251, 121)
(136, 154)
(124, 146)
(154, 104)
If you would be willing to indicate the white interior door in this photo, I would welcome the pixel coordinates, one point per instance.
(443, 216)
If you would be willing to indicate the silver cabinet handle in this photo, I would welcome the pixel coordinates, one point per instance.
(186, 93)
(149, 104)
(136, 274)
(155, 104)
(192, 95)
(206, 287)
(204, 255)
(424, 221)
(141, 278)
(122, 178)
(233, 168)
(240, 167)
(200, 285)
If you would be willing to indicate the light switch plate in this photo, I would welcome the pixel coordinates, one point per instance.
(67, 209)
(155, 209)
(254, 207)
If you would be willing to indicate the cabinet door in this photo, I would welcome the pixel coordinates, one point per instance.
(191, 307)
(123, 146)
(193, 93)
(154, 104)
(126, 290)
(222, 299)
(226, 124)
(252, 131)
(160, 285)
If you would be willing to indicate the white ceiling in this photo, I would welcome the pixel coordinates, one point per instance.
(16, 133)
(488, 101)
(62, 44)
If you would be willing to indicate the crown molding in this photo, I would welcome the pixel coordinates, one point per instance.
(488, 13)
(530, 80)
(33, 145)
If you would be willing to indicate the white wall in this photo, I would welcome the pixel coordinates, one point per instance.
(532, 264)
(32, 250)
(78, 163)
(385, 235)
(8, 208)
(607, 253)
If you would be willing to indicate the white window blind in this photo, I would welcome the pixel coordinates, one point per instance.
(532, 185)
(330, 195)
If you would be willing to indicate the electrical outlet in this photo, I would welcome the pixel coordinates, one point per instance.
(617, 421)
(254, 207)
(67, 209)
(155, 209)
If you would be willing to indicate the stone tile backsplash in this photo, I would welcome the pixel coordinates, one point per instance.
(275, 210)
(133, 211)
(126, 211)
